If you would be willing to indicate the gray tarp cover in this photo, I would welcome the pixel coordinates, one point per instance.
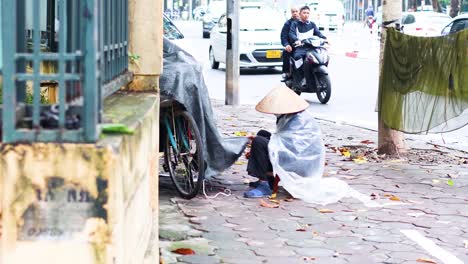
(182, 79)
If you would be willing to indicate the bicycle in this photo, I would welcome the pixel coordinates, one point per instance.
(183, 152)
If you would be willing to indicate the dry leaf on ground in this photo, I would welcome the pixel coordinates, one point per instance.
(268, 205)
(240, 163)
(326, 211)
(367, 142)
(301, 230)
(240, 133)
(426, 260)
(360, 160)
(275, 201)
(184, 251)
(394, 198)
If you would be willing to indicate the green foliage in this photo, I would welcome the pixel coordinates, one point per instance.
(29, 97)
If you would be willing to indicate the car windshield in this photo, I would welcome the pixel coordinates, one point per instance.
(254, 19)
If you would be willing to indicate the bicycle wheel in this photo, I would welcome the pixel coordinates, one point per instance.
(184, 155)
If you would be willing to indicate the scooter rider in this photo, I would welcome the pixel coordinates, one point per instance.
(285, 41)
(300, 30)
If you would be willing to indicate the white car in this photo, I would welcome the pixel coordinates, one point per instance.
(259, 39)
(459, 23)
(424, 24)
(331, 15)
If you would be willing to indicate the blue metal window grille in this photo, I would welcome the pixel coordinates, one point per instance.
(85, 41)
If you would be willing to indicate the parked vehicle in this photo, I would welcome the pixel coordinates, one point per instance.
(459, 23)
(259, 39)
(170, 30)
(211, 17)
(315, 71)
(330, 15)
(199, 12)
(424, 24)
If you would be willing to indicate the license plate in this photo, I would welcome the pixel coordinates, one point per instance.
(273, 54)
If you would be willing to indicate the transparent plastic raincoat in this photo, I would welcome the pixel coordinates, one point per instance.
(297, 154)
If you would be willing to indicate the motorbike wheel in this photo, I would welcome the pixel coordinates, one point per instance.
(323, 88)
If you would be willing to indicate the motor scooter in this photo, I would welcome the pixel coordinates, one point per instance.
(314, 77)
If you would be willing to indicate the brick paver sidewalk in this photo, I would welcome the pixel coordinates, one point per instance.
(409, 211)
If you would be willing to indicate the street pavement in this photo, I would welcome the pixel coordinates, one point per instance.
(410, 209)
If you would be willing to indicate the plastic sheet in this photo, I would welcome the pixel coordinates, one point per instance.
(182, 79)
(297, 154)
(424, 82)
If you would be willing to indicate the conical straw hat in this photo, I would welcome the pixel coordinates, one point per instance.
(281, 100)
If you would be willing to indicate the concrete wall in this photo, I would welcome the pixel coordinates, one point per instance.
(145, 41)
(84, 203)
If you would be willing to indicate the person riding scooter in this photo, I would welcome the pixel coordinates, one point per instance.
(300, 30)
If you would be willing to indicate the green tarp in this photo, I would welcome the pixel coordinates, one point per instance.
(424, 82)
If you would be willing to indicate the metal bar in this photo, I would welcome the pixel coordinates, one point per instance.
(50, 56)
(46, 77)
(48, 135)
(36, 63)
(108, 40)
(9, 94)
(90, 77)
(62, 50)
(126, 34)
(20, 46)
(114, 85)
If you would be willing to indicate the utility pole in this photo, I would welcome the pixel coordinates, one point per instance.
(232, 53)
(391, 142)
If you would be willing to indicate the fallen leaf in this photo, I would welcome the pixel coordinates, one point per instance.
(345, 152)
(275, 201)
(367, 142)
(426, 260)
(326, 211)
(396, 185)
(268, 205)
(240, 163)
(394, 198)
(450, 182)
(273, 196)
(301, 230)
(240, 133)
(184, 251)
(360, 160)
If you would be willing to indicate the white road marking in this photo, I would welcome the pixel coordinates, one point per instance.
(367, 201)
(431, 247)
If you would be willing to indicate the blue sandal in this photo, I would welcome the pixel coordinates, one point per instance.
(263, 189)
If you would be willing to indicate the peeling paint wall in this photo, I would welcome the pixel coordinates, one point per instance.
(82, 203)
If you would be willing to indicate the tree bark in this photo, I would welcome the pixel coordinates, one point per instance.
(436, 6)
(390, 142)
(454, 8)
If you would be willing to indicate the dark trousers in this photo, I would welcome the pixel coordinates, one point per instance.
(298, 74)
(259, 161)
(286, 61)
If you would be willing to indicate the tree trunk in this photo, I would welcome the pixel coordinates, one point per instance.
(454, 8)
(412, 4)
(391, 142)
(436, 6)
